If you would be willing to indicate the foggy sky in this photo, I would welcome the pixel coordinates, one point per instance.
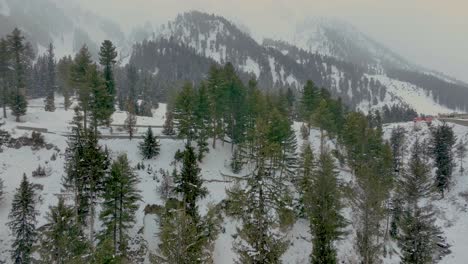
(432, 33)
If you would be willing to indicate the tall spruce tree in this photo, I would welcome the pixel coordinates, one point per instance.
(181, 241)
(460, 151)
(323, 204)
(107, 59)
(184, 113)
(61, 240)
(419, 234)
(23, 222)
(203, 120)
(309, 102)
(150, 146)
(50, 80)
(5, 70)
(99, 112)
(79, 75)
(189, 182)
(443, 140)
(398, 144)
(131, 120)
(120, 202)
(20, 62)
(168, 128)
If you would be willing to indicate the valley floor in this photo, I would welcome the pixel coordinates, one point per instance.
(452, 211)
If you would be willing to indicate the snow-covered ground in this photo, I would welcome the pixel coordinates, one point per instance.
(451, 211)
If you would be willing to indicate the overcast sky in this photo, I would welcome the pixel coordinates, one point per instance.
(432, 33)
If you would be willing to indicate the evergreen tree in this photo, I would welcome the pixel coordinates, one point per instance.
(150, 146)
(99, 112)
(21, 62)
(62, 241)
(107, 58)
(132, 79)
(397, 142)
(305, 174)
(181, 241)
(51, 80)
(203, 121)
(460, 151)
(189, 182)
(443, 140)
(258, 242)
(323, 204)
(168, 128)
(419, 239)
(80, 72)
(86, 165)
(5, 69)
(130, 121)
(120, 202)
(23, 222)
(184, 113)
(64, 66)
(309, 101)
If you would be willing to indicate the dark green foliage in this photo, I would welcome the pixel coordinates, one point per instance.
(64, 66)
(21, 61)
(86, 165)
(397, 142)
(184, 112)
(98, 99)
(189, 183)
(418, 239)
(443, 140)
(323, 204)
(150, 146)
(62, 240)
(168, 129)
(460, 151)
(181, 241)
(23, 222)
(79, 78)
(107, 58)
(236, 161)
(51, 80)
(309, 102)
(5, 61)
(120, 202)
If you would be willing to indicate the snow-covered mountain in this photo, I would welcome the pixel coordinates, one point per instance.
(336, 38)
(63, 23)
(335, 55)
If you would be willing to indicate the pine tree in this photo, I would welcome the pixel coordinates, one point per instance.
(51, 80)
(62, 241)
(130, 121)
(309, 101)
(120, 202)
(99, 112)
(107, 58)
(443, 140)
(258, 242)
(180, 239)
(150, 146)
(184, 113)
(397, 141)
(203, 121)
(189, 182)
(64, 67)
(419, 239)
(21, 62)
(80, 79)
(305, 175)
(168, 128)
(86, 165)
(460, 151)
(5, 61)
(23, 222)
(323, 204)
